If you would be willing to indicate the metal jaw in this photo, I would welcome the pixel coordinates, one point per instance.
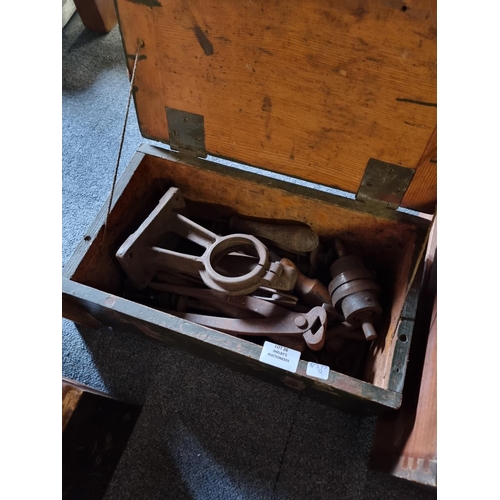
(253, 316)
(142, 259)
(311, 326)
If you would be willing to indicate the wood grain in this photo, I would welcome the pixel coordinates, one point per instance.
(339, 390)
(225, 193)
(313, 89)
(70, 397)
(378, 366)
(405, 442)
(422, 193)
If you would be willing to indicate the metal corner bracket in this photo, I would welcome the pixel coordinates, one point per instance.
(384, 183)
(186, 132)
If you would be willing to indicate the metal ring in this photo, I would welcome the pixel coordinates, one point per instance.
(238, 284)
(348, 276)
(353, 287)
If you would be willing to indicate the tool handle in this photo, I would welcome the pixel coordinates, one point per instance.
(311, 326)
(297, 239)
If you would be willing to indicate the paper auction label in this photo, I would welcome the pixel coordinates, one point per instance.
(279, 356)
(317, 370)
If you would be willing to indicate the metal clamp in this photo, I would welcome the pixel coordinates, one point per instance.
(142, 259)
(311, 326)
(253, 316)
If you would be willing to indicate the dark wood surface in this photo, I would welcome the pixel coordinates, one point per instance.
(313, 89)
(96, 429)
(97, 15)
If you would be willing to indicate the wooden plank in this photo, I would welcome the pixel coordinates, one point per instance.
(97, 15)
(70, 397)
(312, 89)
(378, 366)
(339, 390)
(87, 250)
(405, 442)
(72, 392)
(422, 192)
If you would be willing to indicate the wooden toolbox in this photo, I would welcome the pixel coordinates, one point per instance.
(332, 95)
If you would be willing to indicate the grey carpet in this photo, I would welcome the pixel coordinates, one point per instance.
(205, 432)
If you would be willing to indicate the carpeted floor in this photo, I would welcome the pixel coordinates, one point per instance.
(205, 432)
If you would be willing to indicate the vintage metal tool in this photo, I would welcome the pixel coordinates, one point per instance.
(292, 238)
(275, 296)
(353, 291)
(312, 291)
(142, 258)
(253, 316)
(233, 305)
(311, 326)
(264, 293)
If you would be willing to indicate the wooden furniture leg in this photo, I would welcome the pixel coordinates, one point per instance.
(95, 431)
(97, 15)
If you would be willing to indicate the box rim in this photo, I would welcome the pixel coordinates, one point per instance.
(396, 381)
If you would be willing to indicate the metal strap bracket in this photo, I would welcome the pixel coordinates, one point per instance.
(186, 132)
(384, 183)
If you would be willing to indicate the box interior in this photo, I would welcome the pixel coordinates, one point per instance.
(386, 246)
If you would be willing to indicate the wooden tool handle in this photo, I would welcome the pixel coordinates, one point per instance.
(297, 239)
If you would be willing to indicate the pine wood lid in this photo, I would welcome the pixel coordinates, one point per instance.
(312, 89)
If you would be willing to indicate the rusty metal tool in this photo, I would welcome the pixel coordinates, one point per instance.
(264, 293)
(241, 307)
(275, 296)
(353, 291)
(312, 291)
(233, 305)
(311, 326)
(292, 238)
(346, 331)
(247, 315)
(142, 257)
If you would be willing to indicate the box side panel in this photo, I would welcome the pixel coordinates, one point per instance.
(216, 191)
(386, 241)
(229, 191)
(412, 454)
(339, 390)
(386, 366)
(87, 249)
(134, 197)
(405, 443)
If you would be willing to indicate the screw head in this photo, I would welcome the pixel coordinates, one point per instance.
(301, 321)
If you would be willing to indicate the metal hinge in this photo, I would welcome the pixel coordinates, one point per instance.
(186, 132)
(384, 184)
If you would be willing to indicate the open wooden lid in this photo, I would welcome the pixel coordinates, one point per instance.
(313, 89)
